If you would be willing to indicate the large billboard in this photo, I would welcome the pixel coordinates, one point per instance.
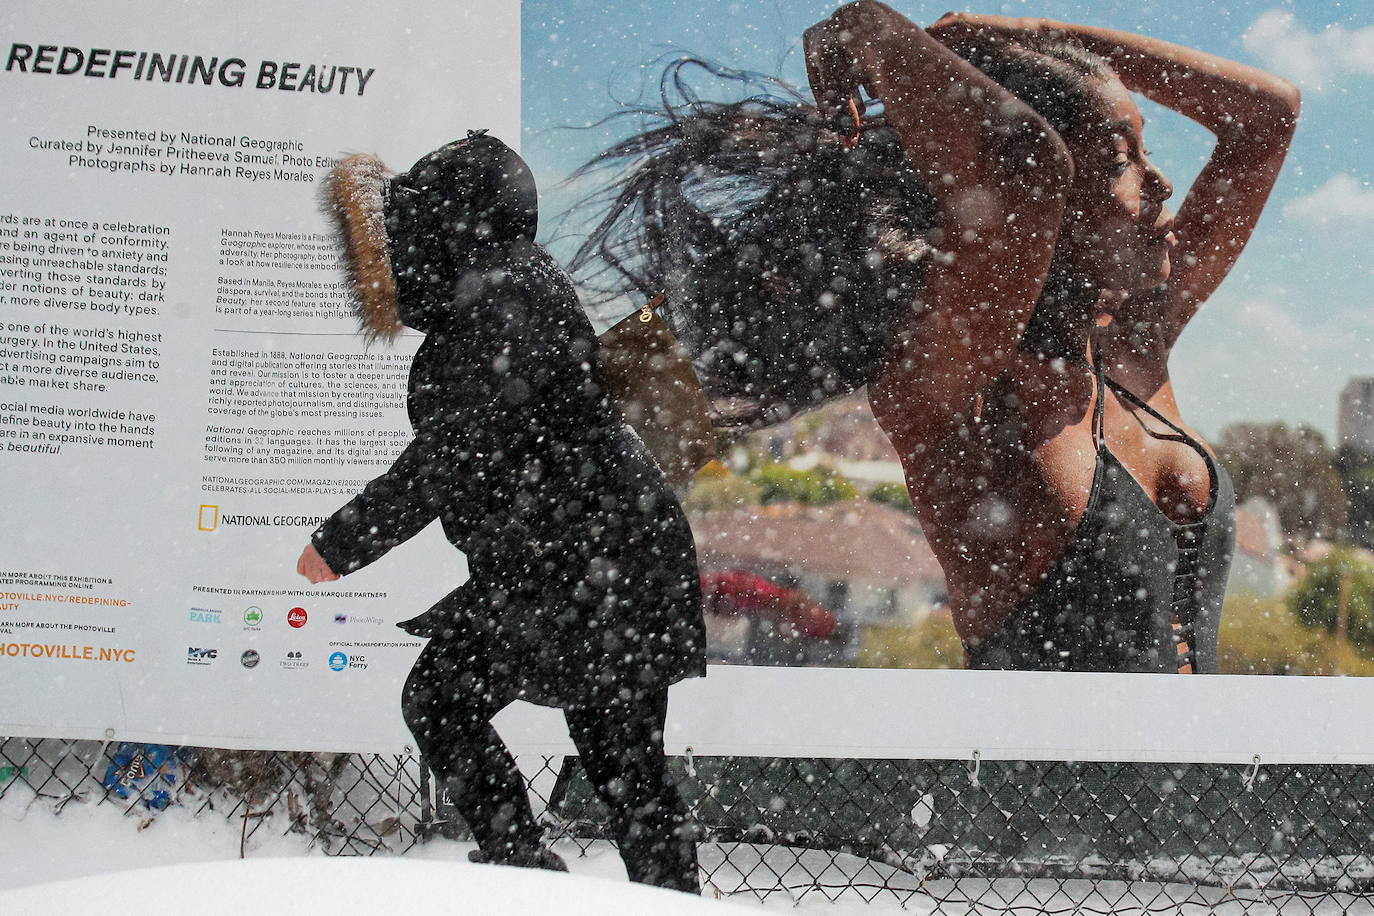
(184, 396)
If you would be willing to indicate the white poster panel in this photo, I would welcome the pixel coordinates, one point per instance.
(893, 714)
(182, 394)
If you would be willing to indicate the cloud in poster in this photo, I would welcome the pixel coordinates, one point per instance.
(1269, 358)
(1313, 60)
(1343, 201)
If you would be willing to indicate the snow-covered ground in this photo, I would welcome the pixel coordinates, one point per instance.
(340, 886)
(38, 846)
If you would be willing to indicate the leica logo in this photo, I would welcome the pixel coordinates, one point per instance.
(296, 617)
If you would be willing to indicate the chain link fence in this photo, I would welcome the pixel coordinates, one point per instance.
(951, 837)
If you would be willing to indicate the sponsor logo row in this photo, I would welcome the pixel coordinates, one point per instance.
(297, 617)
(293, 660)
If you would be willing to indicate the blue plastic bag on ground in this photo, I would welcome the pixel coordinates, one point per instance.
(148, 772)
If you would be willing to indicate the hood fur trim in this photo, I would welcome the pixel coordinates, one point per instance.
(354, 197)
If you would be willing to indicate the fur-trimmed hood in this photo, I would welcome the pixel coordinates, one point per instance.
(408, 238)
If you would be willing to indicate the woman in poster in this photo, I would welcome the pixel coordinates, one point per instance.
(1002, 224)
(584, 591)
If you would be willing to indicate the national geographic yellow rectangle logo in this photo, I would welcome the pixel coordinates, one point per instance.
(208, 518)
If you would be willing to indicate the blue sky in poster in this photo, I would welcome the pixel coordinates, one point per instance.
(1290, 325)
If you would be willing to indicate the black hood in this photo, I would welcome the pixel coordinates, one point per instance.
(407, 239)
(462, 207)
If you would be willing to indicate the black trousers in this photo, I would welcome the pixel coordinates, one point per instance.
(448, 708)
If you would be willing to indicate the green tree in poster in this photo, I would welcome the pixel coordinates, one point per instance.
(1357, 476)
(892, 494)
(779, 483)
(1294, 469)
(721, 491)
(1337, 595)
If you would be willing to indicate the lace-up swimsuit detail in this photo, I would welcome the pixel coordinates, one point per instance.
(1131, 584)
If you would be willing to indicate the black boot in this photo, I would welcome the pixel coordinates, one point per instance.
(660, 849)
(529, 857)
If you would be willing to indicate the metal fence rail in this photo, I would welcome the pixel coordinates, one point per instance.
(949, 836)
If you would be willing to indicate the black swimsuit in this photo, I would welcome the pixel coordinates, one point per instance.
(1131, 584)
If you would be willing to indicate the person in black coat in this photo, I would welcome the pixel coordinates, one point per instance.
(584, 590)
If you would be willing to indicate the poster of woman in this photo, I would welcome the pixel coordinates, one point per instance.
(971, 381)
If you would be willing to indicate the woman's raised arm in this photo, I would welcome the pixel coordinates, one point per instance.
(1252, 113)
(998, 172)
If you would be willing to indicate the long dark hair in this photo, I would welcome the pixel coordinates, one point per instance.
(786, 251)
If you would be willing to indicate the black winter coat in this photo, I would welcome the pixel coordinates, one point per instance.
(584, 580)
